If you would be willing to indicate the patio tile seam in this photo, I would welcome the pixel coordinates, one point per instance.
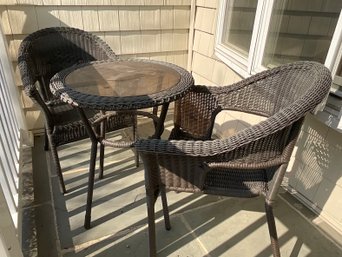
(118, 235)
(195, 236)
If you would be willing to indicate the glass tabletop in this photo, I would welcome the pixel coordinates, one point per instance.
(121, 85)
(122, 79)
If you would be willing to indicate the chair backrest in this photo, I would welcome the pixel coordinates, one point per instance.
(48, 51)
(297, 88)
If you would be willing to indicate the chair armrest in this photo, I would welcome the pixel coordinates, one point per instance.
(267, 128)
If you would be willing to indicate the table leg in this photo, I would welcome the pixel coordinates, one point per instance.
(91, 176)
(87, 218)
(160, 125)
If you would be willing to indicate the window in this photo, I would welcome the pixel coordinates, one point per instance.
(253, 35)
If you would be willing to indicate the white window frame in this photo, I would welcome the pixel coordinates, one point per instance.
(253, 64)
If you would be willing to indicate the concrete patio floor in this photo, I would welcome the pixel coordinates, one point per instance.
(202, 225)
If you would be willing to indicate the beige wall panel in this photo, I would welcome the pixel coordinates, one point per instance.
(158, 57)
(167, 17)
(129, 18)
(90, 19)
(203, 65)
(51, 2)
(170, 58)
(150, 18)
(17, 78)
(219, 73)
(181, 59)
(47, 17)
(177, 2)
(200, 80)
(23, 20)
(206, 3)
(8, 2)
(205, 20)
(6, 27)
(113, 39)
(182, 17)
(130, 42)
(105, 2)
(35, 120)
(180, 40)
(30, 2)
(26, 101)
(13, 47)
(231, 77)
(197, 41)
(109, 18)
(166, 40)
(204, 43)
(154, 2)
(83, 2)
(150, 41)
(119, 2)
(71, 16)
(131, 2)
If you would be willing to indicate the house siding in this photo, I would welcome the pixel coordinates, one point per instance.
(314, 174)
(153, 29)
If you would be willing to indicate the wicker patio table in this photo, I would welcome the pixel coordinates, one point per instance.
(119, 86)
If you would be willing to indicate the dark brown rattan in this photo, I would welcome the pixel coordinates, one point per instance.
(46, 52)
(251, 162)
(121, 86)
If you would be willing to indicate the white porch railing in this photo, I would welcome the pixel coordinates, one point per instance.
(11, 123)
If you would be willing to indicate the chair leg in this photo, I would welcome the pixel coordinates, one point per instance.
(101, 161)
(87, 219)
(272, 229)
(150, 200)
(165, 209)
(57, 164)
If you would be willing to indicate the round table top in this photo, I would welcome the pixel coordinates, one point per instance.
(121, 85)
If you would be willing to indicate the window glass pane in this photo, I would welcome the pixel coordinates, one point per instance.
(238, 25)
(300, 30)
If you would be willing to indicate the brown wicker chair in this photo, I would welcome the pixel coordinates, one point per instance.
(248, 164)
(46, 52)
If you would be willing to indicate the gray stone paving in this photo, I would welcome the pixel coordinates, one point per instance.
(202, 225)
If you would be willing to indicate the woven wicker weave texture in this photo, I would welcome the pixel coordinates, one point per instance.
(249, 163)
(46, 52)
